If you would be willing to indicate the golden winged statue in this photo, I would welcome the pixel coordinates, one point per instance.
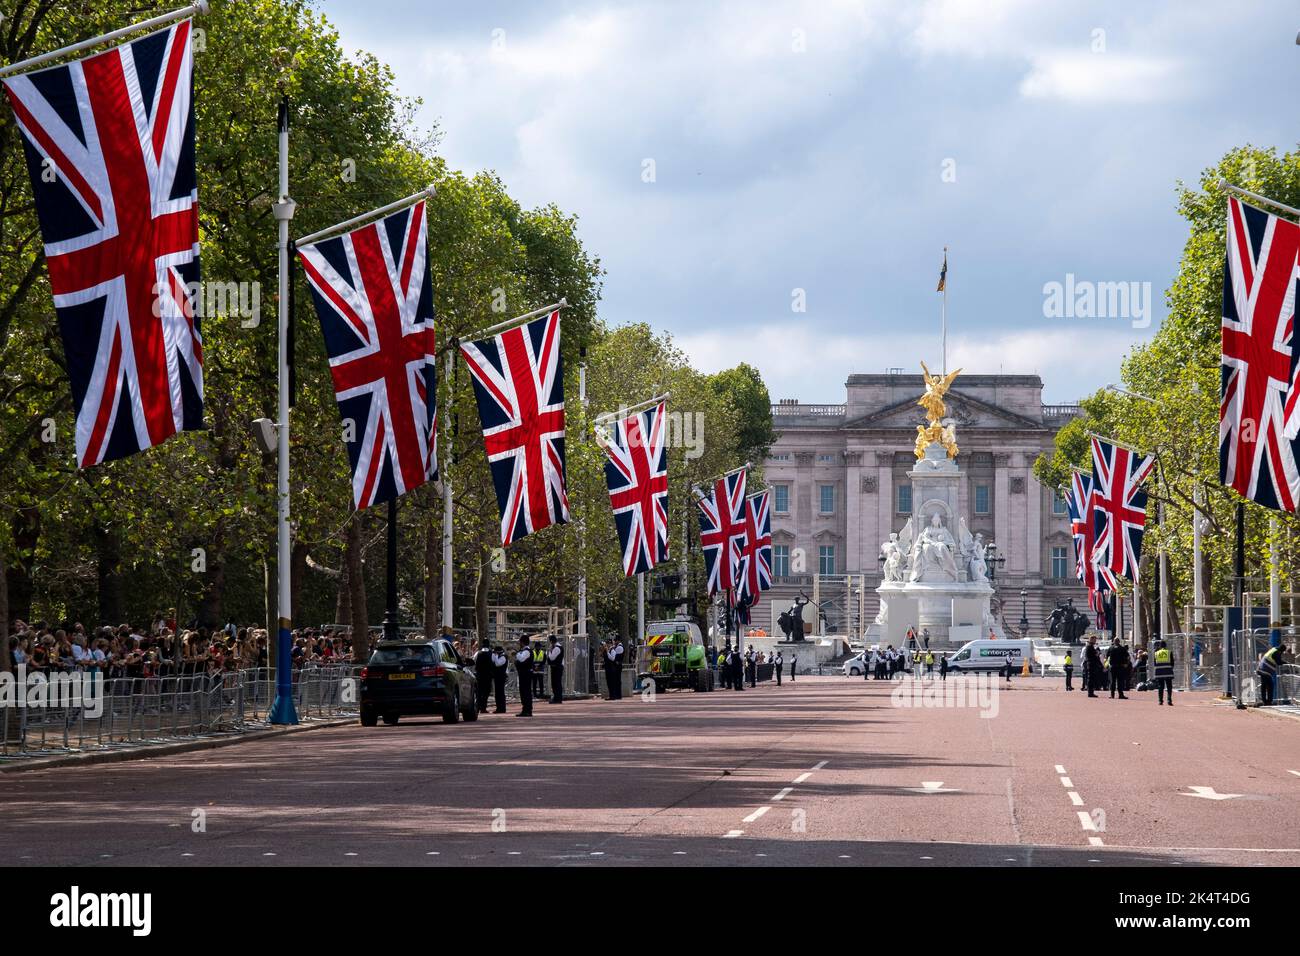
(936, 387)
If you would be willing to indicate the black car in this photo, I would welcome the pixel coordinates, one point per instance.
(416, 677)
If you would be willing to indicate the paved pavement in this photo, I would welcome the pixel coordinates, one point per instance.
(828, 771)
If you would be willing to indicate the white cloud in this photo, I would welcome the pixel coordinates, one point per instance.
(1086, 77)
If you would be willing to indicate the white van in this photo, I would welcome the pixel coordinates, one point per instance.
(986, 655)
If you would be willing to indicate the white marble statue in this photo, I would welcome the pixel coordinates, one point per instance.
(895, 558)
(972, 554)
(934, 553)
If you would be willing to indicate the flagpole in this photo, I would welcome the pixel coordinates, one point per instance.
(632, 409)
(426, 193)
(282, 710)
(582, 538)
(1247, 194)
(448, 617)
(199, 6)
(640, 608)
(392, 631)
(944, 310)
(544, 310)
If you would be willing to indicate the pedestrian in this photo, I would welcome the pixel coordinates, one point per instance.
(1069, 669)
(1092, 666)
(1140, 669)
(1164, 673)
(1270, 664)
(794, 664)
(943, 667)
(483, 673)
(555, 658)
(737, 669)
(614, 668)
(925, 636)
(751, 666)
(539, 671)
(524, 669)
(929, 663)
(1118, 661)
(777, 664)
(1007, 667)
(499, 666)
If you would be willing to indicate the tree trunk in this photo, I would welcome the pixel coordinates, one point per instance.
(212, 603)
(343, 602)
(108, 566)
(432, 551)
(357, 592)
(26, 534)
(481, 586)
(6, 663)
(297, 574)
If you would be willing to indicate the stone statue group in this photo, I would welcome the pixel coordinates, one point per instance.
(933, 555)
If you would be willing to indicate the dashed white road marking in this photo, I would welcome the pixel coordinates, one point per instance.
(732, 834)
(1295, 772)
(755, 815)
(783, 794)
(1076, 799)
(1095, 841)
(268, 854)
(1086, 821)
(1207, 793)
(819, 765)
(1060, 769)
(1067, 783)
(801, 778)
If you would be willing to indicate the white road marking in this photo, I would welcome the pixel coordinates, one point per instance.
(1067, 783)
(268, 854)
(1296, 772)
(349, 854)
(1076, 799)
(187, 854)
(596, 853)
(732, 834)
(1095, 841)
(801, 778)
(679, 852)
(933, 786)
(820, 765)
(755, 815)
(1207, 793)
(1085, 820)
(783, 794)
(927, 858)
(433, 853)
(1060, 769)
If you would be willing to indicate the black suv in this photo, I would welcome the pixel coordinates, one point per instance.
(416, 677)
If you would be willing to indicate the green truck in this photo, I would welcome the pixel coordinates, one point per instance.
(674, 656)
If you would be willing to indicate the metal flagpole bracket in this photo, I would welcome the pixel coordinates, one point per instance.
(725, 474)
(631, 409)
(426, 193)
(508, 323)
(198, 7)
(1247, 194)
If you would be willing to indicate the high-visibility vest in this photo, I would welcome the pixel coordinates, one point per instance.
(1268, 663)
(1069, 660)
(1164, 659)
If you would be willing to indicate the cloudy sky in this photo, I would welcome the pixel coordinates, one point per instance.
(836, 146)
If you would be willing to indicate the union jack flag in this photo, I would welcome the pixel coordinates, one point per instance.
(1258, 417)
(1119, 507)
(374, 299)
(519, 384)
(722, 530)
(637, 476)
(1078, 502)
(755, 572)
(109, 142)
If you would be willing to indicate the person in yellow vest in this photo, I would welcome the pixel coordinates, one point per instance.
(929, 663)
(539, 671)
(1069, 669)
(1270, 663)
(1164, 673)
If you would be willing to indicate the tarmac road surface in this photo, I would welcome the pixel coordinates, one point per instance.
(825, 771)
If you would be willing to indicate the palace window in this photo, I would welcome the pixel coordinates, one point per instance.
(826, 498)
(781, 499)
(1058, 504)
(781, 560)
(904, 499)
(826, 459)
(1060, 563)
(826, 559)
(981, 499)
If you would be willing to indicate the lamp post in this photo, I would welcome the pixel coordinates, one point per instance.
(1024, 614)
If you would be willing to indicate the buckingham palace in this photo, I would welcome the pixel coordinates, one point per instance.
(840, 485)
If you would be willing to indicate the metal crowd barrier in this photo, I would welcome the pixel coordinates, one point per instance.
(132, 712)
(1243, 676)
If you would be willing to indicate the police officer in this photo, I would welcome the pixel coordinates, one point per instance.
(737, 669)
(1092, 666)
(778, 664)
(555, 658)
(1164, 673)
(1270, 663)
(751, 666)
(483, 672)
(794, 664)
(500, 663)
(524, 668)
(539, 671)
(1069, 669)
(614, 668)
(1118, 659)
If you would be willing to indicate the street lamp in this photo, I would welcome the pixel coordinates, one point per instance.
(1024, 614)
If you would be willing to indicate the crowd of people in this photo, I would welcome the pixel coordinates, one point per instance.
(160, 650)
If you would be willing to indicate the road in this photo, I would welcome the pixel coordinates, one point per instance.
(827, 771)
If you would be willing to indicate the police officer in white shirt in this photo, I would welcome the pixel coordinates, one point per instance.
(555, 659)
(500, 664)
(777, 664)
(524, 668)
